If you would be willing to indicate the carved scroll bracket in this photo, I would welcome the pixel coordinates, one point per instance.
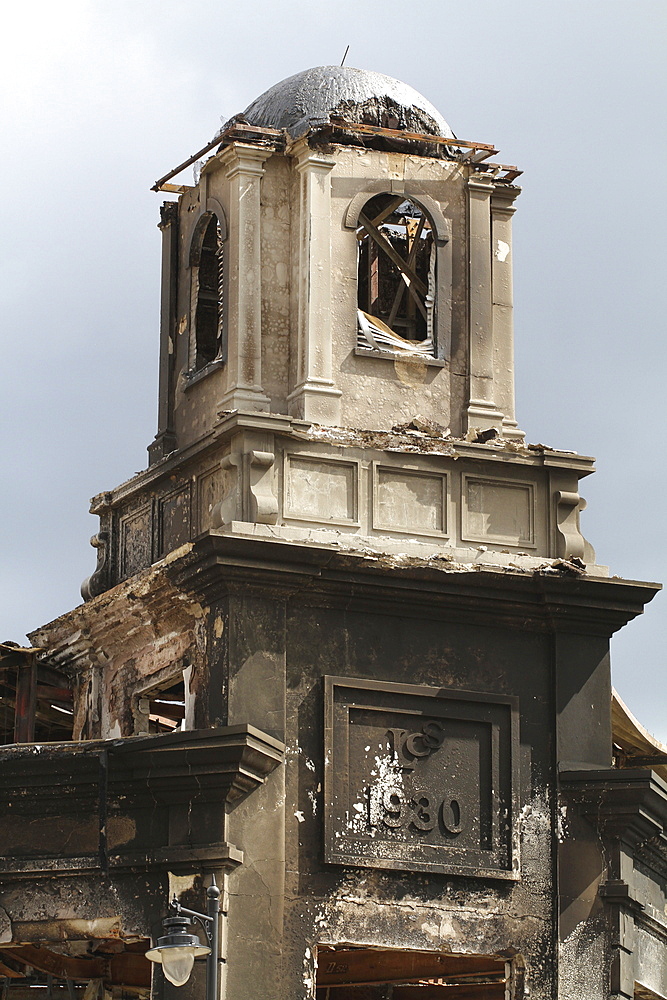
(262, 502)
(250, 494)
(569, 540)
(96, 583)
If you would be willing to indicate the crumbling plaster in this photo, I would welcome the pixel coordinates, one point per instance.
(116, 644)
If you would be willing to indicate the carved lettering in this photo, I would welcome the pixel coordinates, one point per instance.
(406, 745)
(397, 809)
(393, 806)
(424, 812)
(450, 814)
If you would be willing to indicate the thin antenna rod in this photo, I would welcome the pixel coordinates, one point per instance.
(345, 56)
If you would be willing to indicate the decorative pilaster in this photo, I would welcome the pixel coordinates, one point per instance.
(315, 396)
(481, 410)
(244, 357)
(502, 211)
(165, 439)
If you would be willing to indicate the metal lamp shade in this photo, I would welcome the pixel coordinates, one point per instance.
(176, 951)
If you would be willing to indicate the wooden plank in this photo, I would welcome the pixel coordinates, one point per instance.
(176, 188)
(259, 129)
(236, 127)
(48, 693)
(26, 702)
(396, 133)
(124, 969)
(366, 966)
(412, 256)
(60, 966)
(9, 973)
(393, 255)
(497, 991)
(391, 207)
(130, 969)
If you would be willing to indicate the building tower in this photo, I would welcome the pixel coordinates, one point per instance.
(345, 645)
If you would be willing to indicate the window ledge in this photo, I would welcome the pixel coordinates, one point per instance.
(191, 378)
(363, 352)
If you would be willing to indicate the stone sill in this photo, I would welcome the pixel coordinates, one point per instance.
(192, 378)
(362, 352)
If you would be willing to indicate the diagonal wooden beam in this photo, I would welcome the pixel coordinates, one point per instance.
(401, 288)
(393, 255)
(391, 207)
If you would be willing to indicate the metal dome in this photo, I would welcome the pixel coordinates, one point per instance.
(310, 97)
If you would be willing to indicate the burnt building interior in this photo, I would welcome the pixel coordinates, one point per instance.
(342, 666)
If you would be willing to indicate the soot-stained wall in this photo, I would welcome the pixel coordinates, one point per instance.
(281, 647)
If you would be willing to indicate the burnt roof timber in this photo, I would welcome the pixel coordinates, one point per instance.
(397, 133)
(123, 969)
(265, 133)
(216, 141)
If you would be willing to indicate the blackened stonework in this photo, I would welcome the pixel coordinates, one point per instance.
(346, 647)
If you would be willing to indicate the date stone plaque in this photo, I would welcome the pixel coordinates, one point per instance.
(420, 778)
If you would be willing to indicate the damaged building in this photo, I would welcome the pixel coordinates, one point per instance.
(345, 652)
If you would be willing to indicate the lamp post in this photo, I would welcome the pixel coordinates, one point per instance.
(177, 949)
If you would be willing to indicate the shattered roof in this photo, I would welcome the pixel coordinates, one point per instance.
(308, 98)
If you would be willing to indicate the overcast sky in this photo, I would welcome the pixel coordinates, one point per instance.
(102, 97)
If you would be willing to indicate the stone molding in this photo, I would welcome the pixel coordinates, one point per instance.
(147, 802)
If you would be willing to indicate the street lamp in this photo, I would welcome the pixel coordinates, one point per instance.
(177, 949)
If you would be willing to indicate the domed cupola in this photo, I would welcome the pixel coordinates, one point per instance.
(343, 259)
(310, 98)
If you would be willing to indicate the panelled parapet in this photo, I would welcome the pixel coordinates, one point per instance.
(412, 489)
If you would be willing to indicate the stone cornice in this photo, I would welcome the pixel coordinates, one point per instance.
(629, 804)
(151, 802)
(230, 422)
(542, 601)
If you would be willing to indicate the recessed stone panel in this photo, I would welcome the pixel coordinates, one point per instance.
(409, 501)
(209, 493)
(320, 490)
(174, 519)
(498, 511)
(420, 779)
(136, 541)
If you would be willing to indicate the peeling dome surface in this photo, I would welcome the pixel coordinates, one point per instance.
(309, 98)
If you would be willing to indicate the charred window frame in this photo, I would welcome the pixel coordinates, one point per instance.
(208, 341)
(396, 276)
(163, 704)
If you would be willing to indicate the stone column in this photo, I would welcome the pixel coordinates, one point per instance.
(502, 211)
(243, 260)
(481, 410)
(165, 439)
(315, 396)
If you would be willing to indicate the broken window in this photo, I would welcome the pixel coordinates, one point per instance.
(35, 698)
(161, 708)
(207, 263)
(396, 276)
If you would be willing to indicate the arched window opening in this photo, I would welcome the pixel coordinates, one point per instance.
(208, 278)
(396, 276)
